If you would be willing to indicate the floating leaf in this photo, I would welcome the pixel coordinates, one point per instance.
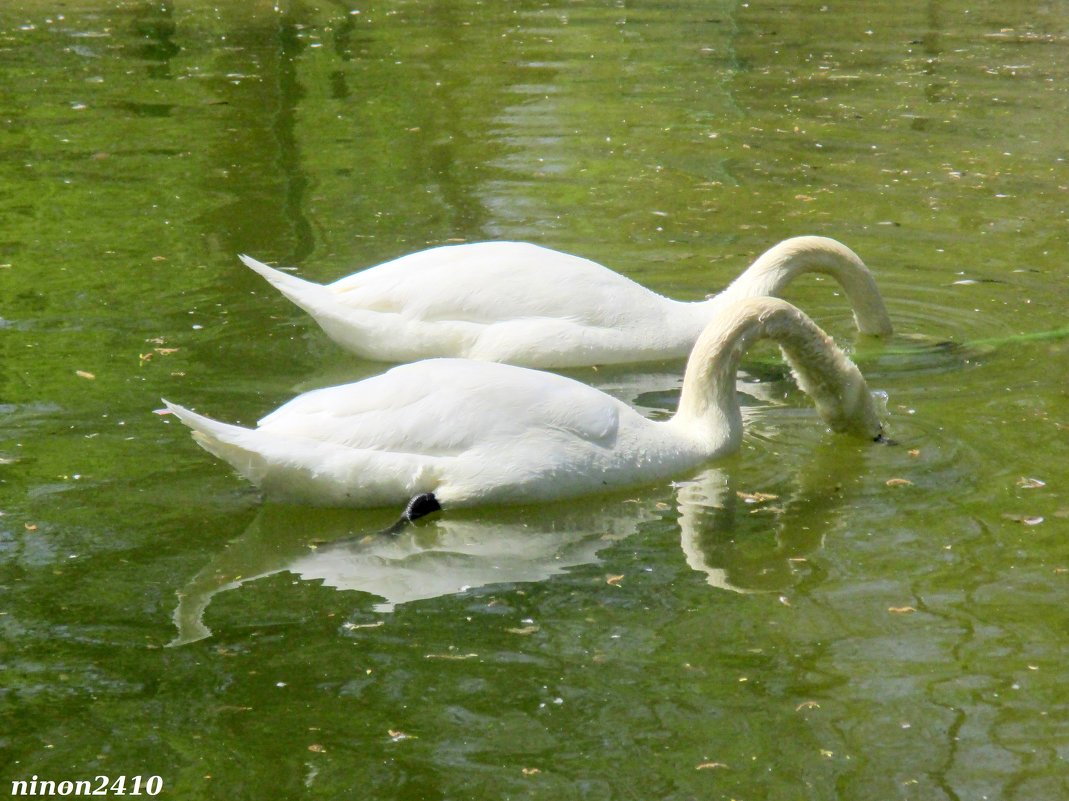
(317, 748)
(1028, 520)
(807, 705)
(756, 497)
(614, 580)
(768, 510)
(898, 482)
(524, 630)
(1025, 482)
(709, 765)
(354, 626)
(84, 374)
(530, 771)
(901, 610)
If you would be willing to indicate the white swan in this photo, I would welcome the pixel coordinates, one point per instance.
(458, 432)
(523, 304)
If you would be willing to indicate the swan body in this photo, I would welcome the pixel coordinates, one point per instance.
(523, 304)
(463, 432)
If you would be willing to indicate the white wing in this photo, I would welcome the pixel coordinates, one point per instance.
(488, 282)
(445, 407)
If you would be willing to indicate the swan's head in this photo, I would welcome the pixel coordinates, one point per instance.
(846, 404)
(858, 416)
(821, 369)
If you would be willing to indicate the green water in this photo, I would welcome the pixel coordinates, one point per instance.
(847, 639)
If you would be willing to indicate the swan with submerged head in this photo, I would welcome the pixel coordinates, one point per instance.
(447, 433)
(523, 304)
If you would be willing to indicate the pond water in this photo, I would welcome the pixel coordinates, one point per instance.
(892, 624)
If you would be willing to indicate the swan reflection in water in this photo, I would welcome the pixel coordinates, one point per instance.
(741, 543)
(437, 556)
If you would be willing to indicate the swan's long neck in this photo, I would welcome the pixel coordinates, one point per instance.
(709, 407)
(781, 264)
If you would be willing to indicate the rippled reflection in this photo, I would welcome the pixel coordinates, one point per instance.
(437, 556)
(741, 541)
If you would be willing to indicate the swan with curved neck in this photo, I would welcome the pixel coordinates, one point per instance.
(455, 432)
(523, 304)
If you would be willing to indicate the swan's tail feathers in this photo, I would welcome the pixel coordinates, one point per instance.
(309, 295)
(230, 443)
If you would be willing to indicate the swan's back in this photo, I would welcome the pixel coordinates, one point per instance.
(445, 408)
(468, 431)
(491, 282)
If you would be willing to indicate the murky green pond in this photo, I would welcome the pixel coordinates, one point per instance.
(892, 624)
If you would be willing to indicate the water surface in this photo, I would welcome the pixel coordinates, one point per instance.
(890, 625)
